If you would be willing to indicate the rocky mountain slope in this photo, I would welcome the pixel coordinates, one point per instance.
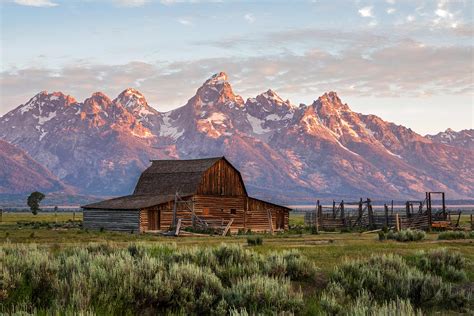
(464, 138)
(19, 173)
(285, 152)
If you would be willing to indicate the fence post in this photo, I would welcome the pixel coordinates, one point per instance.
(397, 222)
(370, 211)
(386, 214)
(316, 220)
(343, 216)
(320, 215)
(333, 209)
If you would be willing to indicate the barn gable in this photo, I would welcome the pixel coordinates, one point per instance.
(188, 177)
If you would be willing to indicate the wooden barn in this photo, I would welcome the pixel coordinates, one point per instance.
(199, 193)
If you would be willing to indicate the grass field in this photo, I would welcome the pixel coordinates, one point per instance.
(326, 249)
(59, 234)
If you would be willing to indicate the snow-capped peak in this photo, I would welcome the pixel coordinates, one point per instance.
(217, 79)
(131, 98)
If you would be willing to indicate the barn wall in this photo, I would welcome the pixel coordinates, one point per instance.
(116, 220)
(221, 179)
(257, 215)
(220, 208)
(249, 213)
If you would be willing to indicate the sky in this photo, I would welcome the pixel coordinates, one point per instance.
(409, 62)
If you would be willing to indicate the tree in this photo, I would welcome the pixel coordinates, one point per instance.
(34, 200)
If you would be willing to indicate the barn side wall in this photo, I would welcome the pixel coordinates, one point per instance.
(115, 220)
(257, 215)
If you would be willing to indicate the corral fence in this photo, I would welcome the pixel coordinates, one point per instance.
(361, 215)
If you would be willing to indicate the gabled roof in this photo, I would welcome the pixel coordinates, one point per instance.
(166, 177)
(159, 183)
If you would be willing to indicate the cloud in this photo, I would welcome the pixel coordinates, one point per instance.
(184, 21)
(303, 37)
(402, 69)
(131, 3)
(366, 12)
(249, 17)
(391, 10)
(410, 18)
(36, 3)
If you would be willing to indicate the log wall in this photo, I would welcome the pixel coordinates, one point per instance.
(257, 216)
(247, 213)
(116, 220)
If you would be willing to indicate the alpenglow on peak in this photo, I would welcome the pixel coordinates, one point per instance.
(216, 79)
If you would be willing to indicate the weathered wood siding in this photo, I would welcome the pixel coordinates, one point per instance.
(116, 220)
(215, 208)
(247, 213)
(257, 216)
(222, 179)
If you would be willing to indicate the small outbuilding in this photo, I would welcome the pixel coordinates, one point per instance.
(203, 193)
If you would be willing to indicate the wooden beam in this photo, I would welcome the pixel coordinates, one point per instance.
(270, 220)
(227, 227)
(178, 227)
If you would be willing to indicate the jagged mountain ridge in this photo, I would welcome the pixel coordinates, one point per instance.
(285, 152)
(463, 138)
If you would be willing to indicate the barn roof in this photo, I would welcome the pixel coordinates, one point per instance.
(165, 177)
(131, 202)
(159, 183)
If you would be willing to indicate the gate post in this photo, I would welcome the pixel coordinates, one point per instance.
(343, 216)
(370, 211)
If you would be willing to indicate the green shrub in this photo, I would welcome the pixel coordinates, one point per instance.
(450, 235)
(385, 278)
(261, 293)
(158, 279)
(382, 235)
(254, 241)
(406, 235)
(448, 265)
(335, 302)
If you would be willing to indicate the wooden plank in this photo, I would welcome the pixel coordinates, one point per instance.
(226, 230)
(178, 227)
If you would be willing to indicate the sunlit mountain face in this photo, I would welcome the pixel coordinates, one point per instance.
(290, 153)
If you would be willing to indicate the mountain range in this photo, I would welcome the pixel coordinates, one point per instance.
(287, 153)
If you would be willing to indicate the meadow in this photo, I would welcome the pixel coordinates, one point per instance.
(297, 272)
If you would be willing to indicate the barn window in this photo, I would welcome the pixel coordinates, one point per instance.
(233, 211)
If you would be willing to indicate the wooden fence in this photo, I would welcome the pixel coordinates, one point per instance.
(338, 217)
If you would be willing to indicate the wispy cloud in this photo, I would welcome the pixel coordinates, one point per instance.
(249, 17)
(391, 10)
(36, 3)
(185, 21)
(389, 71)
(131, 3)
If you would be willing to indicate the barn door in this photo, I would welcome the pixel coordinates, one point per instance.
(281, 220)
(153, 220)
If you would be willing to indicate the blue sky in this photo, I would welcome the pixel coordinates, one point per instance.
(410, 62)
